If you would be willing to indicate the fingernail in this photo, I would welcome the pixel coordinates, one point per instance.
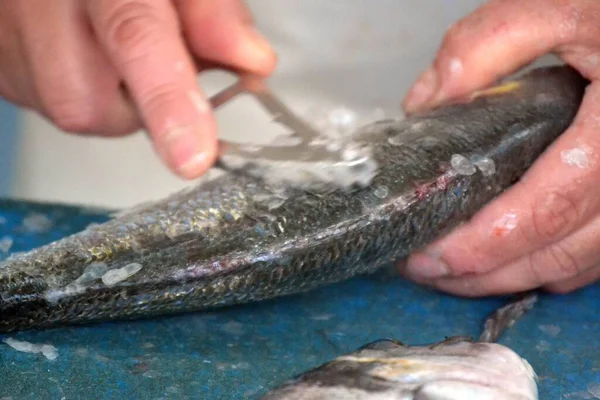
(257, 49)
(200, 102)
(183, 150)
(452, 73)
(421, 91)
(427, 265)
(194, 166)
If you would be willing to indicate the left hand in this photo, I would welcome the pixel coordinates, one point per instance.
(544, 232)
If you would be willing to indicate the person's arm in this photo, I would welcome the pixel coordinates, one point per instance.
(544, 231)
(110, 67)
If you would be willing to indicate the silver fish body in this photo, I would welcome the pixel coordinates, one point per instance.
(457, 368)
(237, 238)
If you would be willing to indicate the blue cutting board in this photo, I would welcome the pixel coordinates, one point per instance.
(241, 352)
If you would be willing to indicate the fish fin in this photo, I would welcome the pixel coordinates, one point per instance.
(505, 317)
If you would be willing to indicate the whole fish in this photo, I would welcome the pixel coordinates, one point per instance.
(240, 238)
(457, 368)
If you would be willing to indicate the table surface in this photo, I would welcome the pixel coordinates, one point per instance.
(241, 352)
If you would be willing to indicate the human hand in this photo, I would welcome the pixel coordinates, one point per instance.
(110, 67)
(545, 230)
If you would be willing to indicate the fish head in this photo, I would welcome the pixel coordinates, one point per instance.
(456, 368)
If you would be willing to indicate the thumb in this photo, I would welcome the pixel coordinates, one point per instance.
(496, 40)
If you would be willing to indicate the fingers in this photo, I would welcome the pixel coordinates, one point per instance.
(588, 277)
(110, 66)
(533, 235)
(143, 41)
(222, 33)
(552, 201)
(80, 94)
(497, 39)
(15, 83)
(566, 261)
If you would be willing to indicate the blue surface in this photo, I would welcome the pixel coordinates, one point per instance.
(239, 353)
(9, 130)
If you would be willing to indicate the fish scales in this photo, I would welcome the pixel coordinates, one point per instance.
(222, 242)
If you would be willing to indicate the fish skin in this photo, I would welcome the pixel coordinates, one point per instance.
(455, 368)
(220, 244)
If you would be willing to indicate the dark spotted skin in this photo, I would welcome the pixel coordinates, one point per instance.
(219, 244)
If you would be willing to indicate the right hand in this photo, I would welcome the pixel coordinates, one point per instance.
(110, 67)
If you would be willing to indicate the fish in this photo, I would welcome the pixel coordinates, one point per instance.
(457, 368)
(237, 238)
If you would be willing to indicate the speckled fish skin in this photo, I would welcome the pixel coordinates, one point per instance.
(220, 244)
(457, 368)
